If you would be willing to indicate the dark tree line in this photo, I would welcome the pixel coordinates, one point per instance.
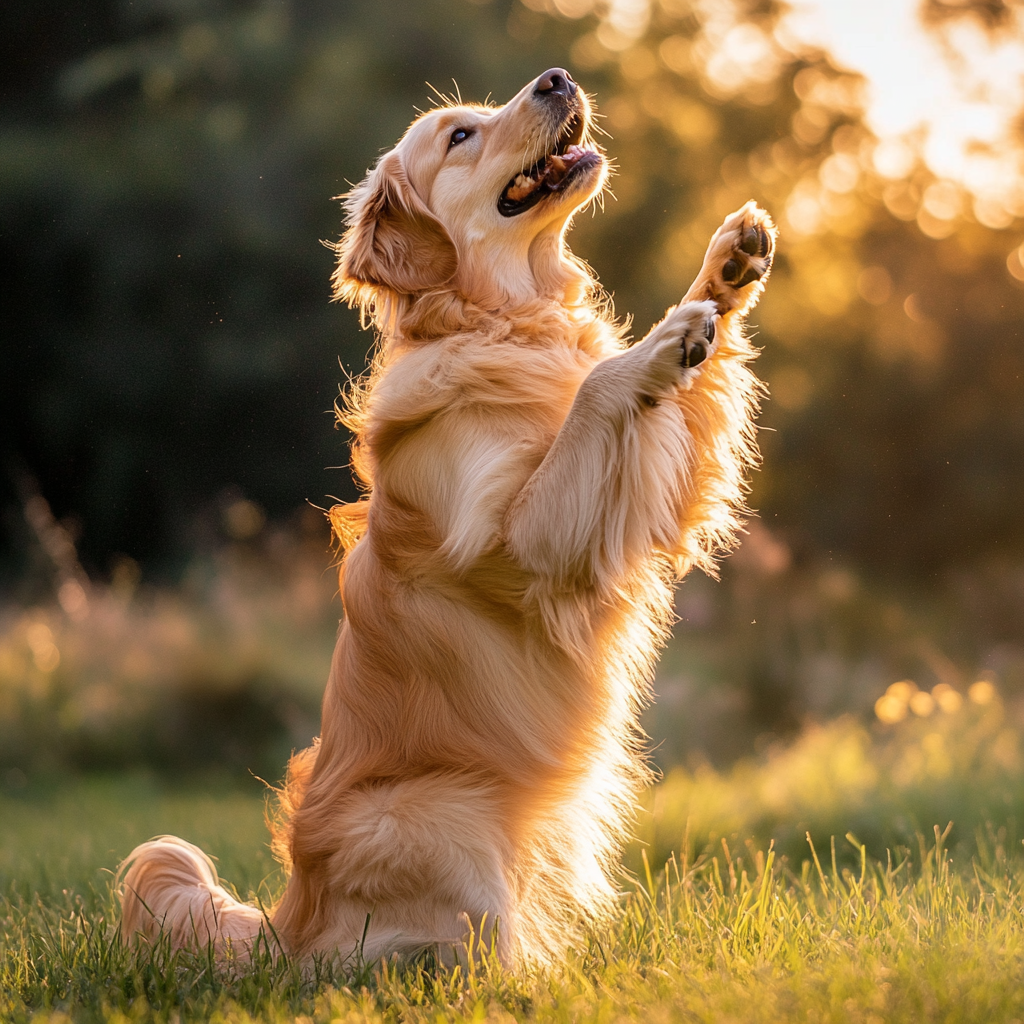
(166, 173)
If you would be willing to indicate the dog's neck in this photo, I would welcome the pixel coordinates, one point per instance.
(533, 279)
(513, 270)
(526, 273)
(536, 319)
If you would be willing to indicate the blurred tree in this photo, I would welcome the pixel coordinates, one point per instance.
(892, 328)
(165, 172)
(167, 328)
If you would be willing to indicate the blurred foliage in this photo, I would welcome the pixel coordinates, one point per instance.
(952, 760)
(894, 356)
(168, 329)
(169, 353)
(786, 640)
(223, 673)
(162, 190)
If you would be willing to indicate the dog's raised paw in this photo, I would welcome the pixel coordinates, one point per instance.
(696, 346)
(752, 256)
(681, 342)
(740, 254)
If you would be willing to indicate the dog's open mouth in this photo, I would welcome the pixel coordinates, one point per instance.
(550, 174)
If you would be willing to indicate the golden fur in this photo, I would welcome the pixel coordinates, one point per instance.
(533, 488)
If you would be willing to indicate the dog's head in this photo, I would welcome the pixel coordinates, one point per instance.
(474, 200)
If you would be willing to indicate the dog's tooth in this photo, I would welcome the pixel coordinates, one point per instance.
(522, 187)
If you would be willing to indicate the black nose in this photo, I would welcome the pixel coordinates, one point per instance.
(556, 82)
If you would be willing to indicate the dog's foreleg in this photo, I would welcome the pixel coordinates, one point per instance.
(719, 408)
(653, 455)
(609, 490)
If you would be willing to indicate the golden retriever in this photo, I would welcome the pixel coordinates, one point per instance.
(534, 486)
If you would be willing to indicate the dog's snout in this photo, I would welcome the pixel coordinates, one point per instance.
(555, 82)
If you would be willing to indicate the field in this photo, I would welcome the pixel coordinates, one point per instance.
(838, 720)
(929, 928)
(157, 711)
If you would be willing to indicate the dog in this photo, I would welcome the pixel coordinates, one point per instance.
(534, 486)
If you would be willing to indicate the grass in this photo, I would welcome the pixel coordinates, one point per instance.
(886, 783)
(728, 914)
(727, 931)
(73, 836)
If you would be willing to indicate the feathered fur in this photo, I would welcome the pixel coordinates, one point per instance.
(533, 488)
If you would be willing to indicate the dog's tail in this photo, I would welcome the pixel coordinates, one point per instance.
(170, 887)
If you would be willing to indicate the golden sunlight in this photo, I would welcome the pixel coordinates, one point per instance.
(941, 81)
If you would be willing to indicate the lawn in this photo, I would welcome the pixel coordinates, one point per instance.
(732, 928)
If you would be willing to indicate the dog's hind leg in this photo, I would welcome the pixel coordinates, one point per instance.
(425, 858)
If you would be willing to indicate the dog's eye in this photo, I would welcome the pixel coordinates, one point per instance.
(459, 135)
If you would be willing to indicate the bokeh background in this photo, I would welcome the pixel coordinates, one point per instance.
(170, 360)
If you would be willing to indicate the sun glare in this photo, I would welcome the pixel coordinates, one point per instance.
(943, 86)
(954, 89)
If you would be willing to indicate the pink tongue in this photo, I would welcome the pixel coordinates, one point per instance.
(557, 166)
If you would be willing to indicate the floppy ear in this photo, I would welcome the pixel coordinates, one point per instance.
(393, 240)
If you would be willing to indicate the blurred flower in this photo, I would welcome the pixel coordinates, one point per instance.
(981, 692)
(890, 709)
(922, 704)
(947, 698)
(892, 706)
(883, 785)
(904, 689)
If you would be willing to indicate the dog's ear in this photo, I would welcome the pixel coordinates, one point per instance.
(393, 240)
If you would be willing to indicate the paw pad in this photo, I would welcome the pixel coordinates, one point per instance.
(695, 350)
(755, 243)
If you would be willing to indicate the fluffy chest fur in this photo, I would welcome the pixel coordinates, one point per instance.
(441, 613)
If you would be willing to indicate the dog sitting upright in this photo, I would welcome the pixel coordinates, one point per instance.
(534, 486)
